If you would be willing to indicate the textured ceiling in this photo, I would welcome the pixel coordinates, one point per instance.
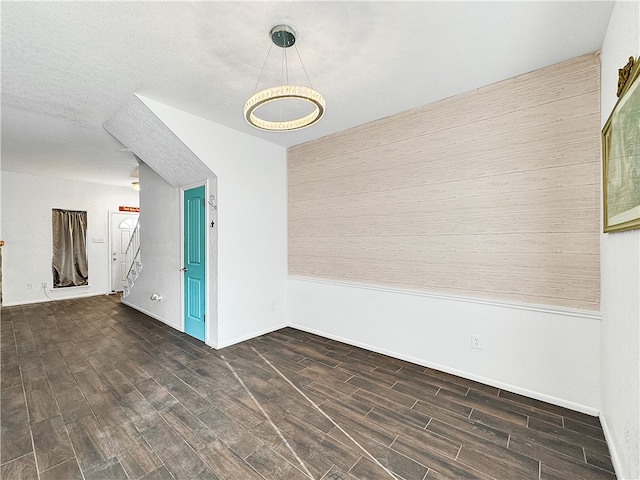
(68, 66)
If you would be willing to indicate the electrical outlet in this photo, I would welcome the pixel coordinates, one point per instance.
(29, 286)
(476, 341)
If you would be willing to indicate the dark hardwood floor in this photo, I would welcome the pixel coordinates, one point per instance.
(92, 389)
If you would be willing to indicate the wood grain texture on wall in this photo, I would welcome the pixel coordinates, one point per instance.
(492, 193)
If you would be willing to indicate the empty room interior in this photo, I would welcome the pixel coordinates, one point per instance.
(320, 240)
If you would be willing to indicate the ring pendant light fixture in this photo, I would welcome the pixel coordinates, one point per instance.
(283, 37)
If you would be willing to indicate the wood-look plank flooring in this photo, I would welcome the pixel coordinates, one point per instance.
(93, 389)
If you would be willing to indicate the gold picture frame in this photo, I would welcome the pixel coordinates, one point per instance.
(621, 158)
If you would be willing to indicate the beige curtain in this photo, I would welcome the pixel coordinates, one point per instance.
(70, 268)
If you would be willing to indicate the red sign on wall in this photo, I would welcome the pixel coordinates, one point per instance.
(128, 209)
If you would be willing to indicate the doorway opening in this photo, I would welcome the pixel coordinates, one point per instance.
(121, 227)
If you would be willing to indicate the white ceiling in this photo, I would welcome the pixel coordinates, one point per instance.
(68, 66)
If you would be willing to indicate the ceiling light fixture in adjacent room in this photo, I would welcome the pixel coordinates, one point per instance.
(136, 185)
(284, 37)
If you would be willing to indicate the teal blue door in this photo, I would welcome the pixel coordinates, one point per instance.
(194, 262)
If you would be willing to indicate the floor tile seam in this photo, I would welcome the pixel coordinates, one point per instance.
(144, 438)
(26, 404)
(196, 415)
(365, 378)
(322, 477)
(310, 476)
(268, 418)
(458, 453)
(251, 467)
(563, 436)
(395, 405)
(322, 412)
(434, 451)
(157, 453)
(487, 411)
(477, 438)
(505, 463)
(591, 434)
(358, 458)
(17, 458)
(73, 448)
(323, 375)
(557, 453)
(440, 407)
(204, 425)
(361, 433)
(565, 417)
(418, 383)
(401, 454)
(540, 471)
(596, 467)
(611, 471)
(74, 458)
(145, 397)
(117, 455)
(508, 401)
(407, 423)
(546, 411)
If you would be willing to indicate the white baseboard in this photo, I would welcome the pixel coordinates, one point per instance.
(212, 345)
(613, 453)
(249, 336)
(487, 381)
(49, 299)
(152, 315)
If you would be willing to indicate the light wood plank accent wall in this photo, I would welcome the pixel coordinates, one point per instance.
(494, 193)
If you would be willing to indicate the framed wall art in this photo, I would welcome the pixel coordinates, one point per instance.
(621, 155)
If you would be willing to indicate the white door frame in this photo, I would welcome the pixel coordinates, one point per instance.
(110, 252)
(207, 268)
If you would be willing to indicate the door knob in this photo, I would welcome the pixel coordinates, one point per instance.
(183, 269)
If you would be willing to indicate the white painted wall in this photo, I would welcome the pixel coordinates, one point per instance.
(27, 201)
(541, 352)
(252, 216)
(620, 278)
(160, 236)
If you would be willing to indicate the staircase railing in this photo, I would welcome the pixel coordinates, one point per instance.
(132, 263)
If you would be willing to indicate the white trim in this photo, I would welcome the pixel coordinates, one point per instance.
(207, 265)
(181, 322)
(150, 314)
(110, 252)
(49, 299)
(69, 288)
(250, 336)
(613, 453)
(459, 373)
(110, 232)
(572, 312)
(201, 183)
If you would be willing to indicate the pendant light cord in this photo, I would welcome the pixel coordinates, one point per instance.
(255, 89)
(303, 67)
